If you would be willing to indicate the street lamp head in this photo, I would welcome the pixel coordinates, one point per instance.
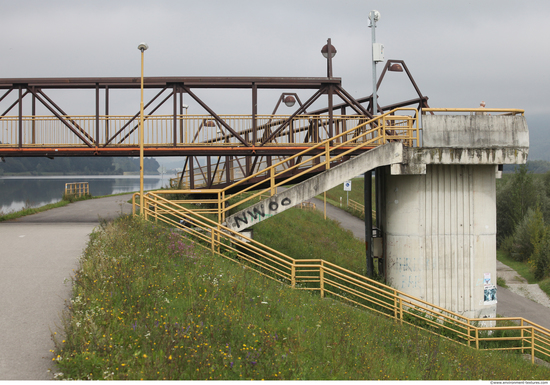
(374, 16)
(324, 51)
(395, 68)
(143, 47)
(289, 101)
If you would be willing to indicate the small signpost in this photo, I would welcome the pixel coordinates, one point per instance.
(347, 189)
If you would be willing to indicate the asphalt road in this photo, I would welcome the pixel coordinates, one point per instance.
(38, 256)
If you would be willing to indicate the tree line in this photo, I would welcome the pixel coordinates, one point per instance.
(523, 219)
(76, 165)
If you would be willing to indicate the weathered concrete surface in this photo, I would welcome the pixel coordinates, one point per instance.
(440, 236)
(37, 257)
(381, 156)
(474, 131)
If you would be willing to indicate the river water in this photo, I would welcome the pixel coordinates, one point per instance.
(16, 192)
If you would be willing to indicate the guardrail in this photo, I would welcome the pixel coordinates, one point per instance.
(319, 157)
(308, 206)
(359, 207)
(167, 130)
(476, 111)
(331, 280)
(77, 189)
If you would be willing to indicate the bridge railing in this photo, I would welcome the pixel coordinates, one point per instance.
(331, 280)
(170, 130)
(374, 132)
(476, 111)
(319, 157)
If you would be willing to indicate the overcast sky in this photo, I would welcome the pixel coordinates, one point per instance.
(459, 52)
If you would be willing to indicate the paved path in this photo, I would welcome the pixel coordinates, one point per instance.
(509, 304)
(38, 254)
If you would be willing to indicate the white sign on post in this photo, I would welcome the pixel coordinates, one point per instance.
(347, 188)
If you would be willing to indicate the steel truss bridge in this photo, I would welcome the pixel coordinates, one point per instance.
(234, 146)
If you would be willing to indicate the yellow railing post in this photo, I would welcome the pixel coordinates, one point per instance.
(221, 203)
(133, 204)
(469, 332)
(272, 181)
(395, 312)
(327, 155)
(322, 280)
(293, 275)
(532, 345)
(145, 204)
(156, 207)
(477, 338)
(522, 337)
(400, 310)
(212, 240)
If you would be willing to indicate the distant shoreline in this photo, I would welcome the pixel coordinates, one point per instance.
(34, 173)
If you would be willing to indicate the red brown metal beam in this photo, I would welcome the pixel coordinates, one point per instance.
(159, 82)
(160, 151)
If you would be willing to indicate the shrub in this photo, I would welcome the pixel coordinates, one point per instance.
(527, 233)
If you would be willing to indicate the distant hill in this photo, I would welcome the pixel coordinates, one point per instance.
(534, 166)
(75, 165)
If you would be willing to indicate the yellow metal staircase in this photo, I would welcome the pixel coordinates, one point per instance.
(331, 280)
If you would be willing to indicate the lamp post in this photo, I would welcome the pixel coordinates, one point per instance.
(377, 56)
(328, 52)
(142, 47)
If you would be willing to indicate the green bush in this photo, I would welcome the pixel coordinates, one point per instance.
(527, 233)
(540, 259)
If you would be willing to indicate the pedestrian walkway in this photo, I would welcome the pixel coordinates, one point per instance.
(38, 257)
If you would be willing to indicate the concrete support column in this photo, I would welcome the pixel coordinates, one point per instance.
(440, 236)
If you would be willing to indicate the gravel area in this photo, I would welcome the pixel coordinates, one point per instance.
(519, 285)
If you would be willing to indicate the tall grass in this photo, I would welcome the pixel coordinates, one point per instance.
(148, 304)
(303, 234)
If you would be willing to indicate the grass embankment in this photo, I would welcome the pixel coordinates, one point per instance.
(149, 305)
(303, 234)
(29, 210)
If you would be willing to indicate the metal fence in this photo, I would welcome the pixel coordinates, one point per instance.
(77, 189)
(331, 280)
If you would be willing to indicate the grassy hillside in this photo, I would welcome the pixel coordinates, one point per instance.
(149, 305)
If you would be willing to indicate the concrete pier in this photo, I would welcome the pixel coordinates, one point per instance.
(439, 211)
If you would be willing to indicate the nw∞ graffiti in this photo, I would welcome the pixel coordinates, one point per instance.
(258, 213)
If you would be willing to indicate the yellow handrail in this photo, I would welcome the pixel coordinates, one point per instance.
(386, 127)
(331, 279)
(505, 111)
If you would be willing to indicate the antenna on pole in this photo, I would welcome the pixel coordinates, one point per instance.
(377, 56)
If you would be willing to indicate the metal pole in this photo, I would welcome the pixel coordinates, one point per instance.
(373, 18)
(368, 223)
(142, 47)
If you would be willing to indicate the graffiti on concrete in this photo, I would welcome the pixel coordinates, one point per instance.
(258, 213)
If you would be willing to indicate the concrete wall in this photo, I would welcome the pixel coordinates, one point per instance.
(440, 235)
(474, 131)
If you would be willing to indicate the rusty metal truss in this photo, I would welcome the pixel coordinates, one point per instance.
(224, 142)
